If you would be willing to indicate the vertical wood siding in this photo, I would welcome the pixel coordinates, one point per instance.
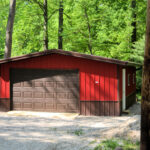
(98, 80)
(100, 108)
(0, 82)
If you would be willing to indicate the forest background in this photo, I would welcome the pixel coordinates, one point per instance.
(109, 28)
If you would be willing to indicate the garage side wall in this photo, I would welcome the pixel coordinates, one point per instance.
(130, 85)
(98, 81)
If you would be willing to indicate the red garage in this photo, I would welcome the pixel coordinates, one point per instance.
(64, 81)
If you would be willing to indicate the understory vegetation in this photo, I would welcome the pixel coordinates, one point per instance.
(112, 144)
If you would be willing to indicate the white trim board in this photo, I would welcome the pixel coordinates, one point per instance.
(123, 89)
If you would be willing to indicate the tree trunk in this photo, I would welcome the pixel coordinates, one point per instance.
(145, 108)
(9, 30)
(89, 30)
(133, 5)
(60, 28)
(45, 25)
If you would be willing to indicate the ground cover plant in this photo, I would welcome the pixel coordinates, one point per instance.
(112, 144)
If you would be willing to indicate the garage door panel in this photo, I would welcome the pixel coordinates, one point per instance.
(69, 96)
(62, 84)
(38, 105)
(17, 99)
(27, 94)
(17, 105)
(50, 106)
(23, 100)
(61, 107)
(36, 100)
(72, 84)
(62, 95)
(17, 94)
(50, 95)
(49, 101)
(72, 96)
(38, 95)
(27, 105)
(45, 90)
(66, 101)
(17, 84)
(72, 106)
(50, 84)
(60, 90)
(38, 84)
(33, 89)
(27, 84)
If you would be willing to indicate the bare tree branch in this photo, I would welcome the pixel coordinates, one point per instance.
(38, 3)
(53, 13)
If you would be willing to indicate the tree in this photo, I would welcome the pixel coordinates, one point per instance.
(145, 110)
(9, 31)
(105, 22)
(89, 30)
(4, 7)
(133, 5)
(60, 28)
(45, 9)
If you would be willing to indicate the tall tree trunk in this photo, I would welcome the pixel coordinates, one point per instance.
(133, 5)
(45, 25)
(9, 30)
(89, 30)
(60, 28)
(145, 108)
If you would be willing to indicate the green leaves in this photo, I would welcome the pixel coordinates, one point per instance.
(28, 31)
(109, 22)
(112, 144)
(4, 10)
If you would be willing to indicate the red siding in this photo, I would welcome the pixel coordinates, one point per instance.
(98, 80)
(0, 82)
(97, 87)
(102, 86)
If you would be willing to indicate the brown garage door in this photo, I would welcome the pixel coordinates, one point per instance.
(45, 90)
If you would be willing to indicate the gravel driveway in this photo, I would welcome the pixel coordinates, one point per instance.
(47, 131)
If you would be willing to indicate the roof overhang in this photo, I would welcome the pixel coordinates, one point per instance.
(70, 53)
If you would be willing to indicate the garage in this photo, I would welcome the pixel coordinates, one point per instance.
(65, 81)
(45, 90)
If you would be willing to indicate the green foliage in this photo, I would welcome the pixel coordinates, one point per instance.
(138, 57)
(4, 9)
(110, 30)
(28, 31)
(111, 144)
(109, 21)
(78, 132)
(138, 51)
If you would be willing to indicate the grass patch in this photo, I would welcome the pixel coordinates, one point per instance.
(112, 144)
(78, 132)
(93, 142)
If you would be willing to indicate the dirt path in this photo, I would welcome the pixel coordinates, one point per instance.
(47, 131)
